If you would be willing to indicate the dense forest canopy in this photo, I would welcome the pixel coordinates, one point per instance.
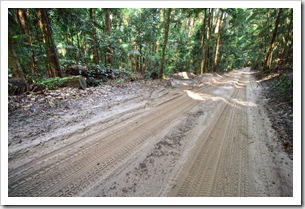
(155, 42)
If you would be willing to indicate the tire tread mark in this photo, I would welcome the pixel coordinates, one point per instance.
(40, 185)
(227, 173)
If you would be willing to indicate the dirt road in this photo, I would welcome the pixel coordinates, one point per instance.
(206, 139)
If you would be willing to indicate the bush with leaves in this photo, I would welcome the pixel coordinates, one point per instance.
(285, 87)
(55, 83)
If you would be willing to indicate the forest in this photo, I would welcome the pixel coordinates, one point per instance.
(48, 47)
(151, 102)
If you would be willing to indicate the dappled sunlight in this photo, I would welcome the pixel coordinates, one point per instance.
(203, 97)
(233, 102)
(250, 73)
(236, 83)
(239, 85)
(185, 75)
(221, 82)
(195, 96)
(244, 103)
(269, 77)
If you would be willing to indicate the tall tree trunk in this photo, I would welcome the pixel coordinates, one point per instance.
(24, 25)
(165, 42)
(41, 26)
(50, 70)
(266, 32)
(267, 62)
(95, 49)
(209, 33)
(202, 43)
(39, 36)
(47, 35)
(189, 24)
(140, 58)
(288, 36)
(108, 26)
(78, 46)
(72, 44)
(135, 60)
(54, 58)
(156, 47)
(218, 27)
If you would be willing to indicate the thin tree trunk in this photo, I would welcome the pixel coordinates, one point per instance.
(95, 50)
(189, 24)
(157, 47)
(176, 55)
(205, 67)
(135, 61)
(267, 62)
(288, 36)
(72, 44)
(267, 30)
(140, 59)
(79, 47)
(165, 42)
(108, 26)
(202, 44)
(218, 41)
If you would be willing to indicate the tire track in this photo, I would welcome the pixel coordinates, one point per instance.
(74, 168)
(220, 165)
(67, 165)
(44, 159)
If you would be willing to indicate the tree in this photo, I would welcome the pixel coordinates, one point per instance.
(26, 30)
(203, 44)
(165, 41)
(288, 37)
(47, 37)
(207, 49)
(95, 48)
(267, 62)
(217, 31)
(108, 26)
(152, 40)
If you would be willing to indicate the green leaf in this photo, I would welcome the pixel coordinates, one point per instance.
(124, 46)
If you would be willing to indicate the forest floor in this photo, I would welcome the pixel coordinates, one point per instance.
(207, 136)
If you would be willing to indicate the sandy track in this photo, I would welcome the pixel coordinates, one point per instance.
(219, 166)
(208, 140)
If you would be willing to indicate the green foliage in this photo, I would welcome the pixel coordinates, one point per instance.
(136, 40)
(10, 73)
(284, 86)
(153, 63)
(121, 80)
(55, 83)
(128, 75)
